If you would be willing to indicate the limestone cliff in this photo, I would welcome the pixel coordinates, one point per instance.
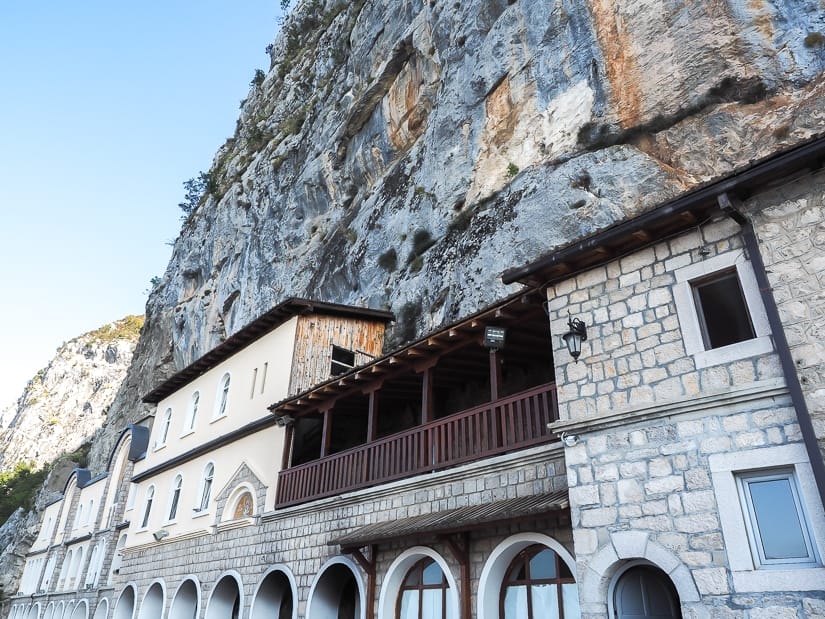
(67, 401)
(402, 153)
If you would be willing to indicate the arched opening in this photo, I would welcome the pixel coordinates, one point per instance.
(34, 612)
(528, 575)
(336, 594)
(102, 610)
(125, 606)
(274, 599)
(643, 591)
(117, 558)
(185, 602)
(419, 585)
(58, 611)
(49, 614)
(152, 605)
(225, 602)
(81, 611)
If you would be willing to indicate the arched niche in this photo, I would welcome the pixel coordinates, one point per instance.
(337, 592)
(186, 601)
(276, 596)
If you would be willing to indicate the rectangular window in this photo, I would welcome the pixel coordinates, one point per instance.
(722, 310)
(343, 360)
(777, 528)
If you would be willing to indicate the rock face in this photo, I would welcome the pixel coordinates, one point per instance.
(401, 154)
(67, 401)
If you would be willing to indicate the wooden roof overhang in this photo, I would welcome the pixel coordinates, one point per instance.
(415, 357)
(259, 327)
(669, 218)
(456, 520)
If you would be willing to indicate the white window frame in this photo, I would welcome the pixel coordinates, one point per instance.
(165, 423)
(743, 481)
(192, 413)
(689, 315)
(177, 487)
(222, 397)
(748, 575)
(146, 516)
(204, 495)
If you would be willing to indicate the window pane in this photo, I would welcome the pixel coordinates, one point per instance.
(409, 605)
(432, 574)
(543, 565)
(777, 519)
(570, 601)
(515, 602)
(723, 311)
(431, 604)
(545, 600)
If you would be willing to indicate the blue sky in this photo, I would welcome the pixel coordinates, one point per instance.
(105, 109)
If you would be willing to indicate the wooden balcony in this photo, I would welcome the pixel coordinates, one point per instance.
(507, 424)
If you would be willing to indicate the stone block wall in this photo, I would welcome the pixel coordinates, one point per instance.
(299, 537)
(635, 352)
(790, 226)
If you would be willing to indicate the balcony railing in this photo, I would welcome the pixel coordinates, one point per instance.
(510, 423)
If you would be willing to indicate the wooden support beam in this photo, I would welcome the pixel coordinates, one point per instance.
(427, 396)
(286, 456)
(459, 545)
(495, 374)
(642, 235)
(326, 434)
(368, 565)
(372, 416)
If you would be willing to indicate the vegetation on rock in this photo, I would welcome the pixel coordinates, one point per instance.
(127, 328)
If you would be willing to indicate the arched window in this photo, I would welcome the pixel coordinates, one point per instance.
(423, 595)
(150, 496)
(64, 571)
(164, 429)
(90, 512)
(206, 486)
(78, 519)
(96, 563)
(47, 575)
(77, 566)
(223, 396)
(174, 499)
(117, 558)
(192, 413)
(538, 584)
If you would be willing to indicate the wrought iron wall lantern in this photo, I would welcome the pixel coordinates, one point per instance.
(574, 337)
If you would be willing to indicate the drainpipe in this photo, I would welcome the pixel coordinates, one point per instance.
(780, 342)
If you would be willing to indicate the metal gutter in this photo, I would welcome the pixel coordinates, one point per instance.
(783, 350)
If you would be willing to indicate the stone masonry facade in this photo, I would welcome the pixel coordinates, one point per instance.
(790, 224)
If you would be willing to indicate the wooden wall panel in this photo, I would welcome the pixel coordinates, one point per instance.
(314, 338)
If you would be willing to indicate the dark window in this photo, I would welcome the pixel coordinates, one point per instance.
(722, 310)
(343, 360)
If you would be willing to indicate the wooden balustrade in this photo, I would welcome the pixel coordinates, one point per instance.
(509, 423)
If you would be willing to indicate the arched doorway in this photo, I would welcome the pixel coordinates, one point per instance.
(336, 594)
(274, 599)
(225, 602)
(645, 592)
(102, 610)
(125, 606)
(185, 602)
(152, 605)
(81, 611)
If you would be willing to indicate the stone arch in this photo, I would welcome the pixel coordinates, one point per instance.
(238, 493)
(629, 568)
(151, 606)
(81, 611)
(604, 567)
(49, 614)
(186, 601)
(102, 610)
(34, 611)
(226, 600)
(495, 569)
(397, 572)
(330, 583)
(270, 599)
(125, 605)
(59, 610)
